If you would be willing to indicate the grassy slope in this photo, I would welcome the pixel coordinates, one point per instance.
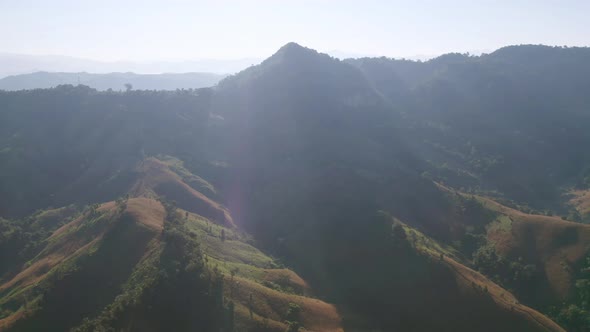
(261, 289)
(68, 278)
(51, 219)
(158, 178)
(271, 286)
(504, 300)
(479, 289)
(251, 273)
(557, 244)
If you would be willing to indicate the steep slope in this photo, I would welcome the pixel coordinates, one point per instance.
(21, 240)
(556, 245)
(263, 292)
(82, 266)
(488, 123)
(310, 170)
(100, 266)
(155, 179)
(537, 257)
(479, 288)
(387, 281)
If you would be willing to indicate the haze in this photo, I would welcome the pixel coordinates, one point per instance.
(178, 30)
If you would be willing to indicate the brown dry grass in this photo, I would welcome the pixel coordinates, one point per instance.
(62, 246)
(243, 319)
(7, 322)
(294, 280)
(581, 201)
(316, 315)
(157, 178)
(66, 244)
(467, 277)
(147, 212)
(540, 238)
(39, 269)
(103, 208)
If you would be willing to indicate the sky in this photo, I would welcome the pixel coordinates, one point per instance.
(173, 30)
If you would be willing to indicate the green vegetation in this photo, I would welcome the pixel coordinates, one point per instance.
(424, 243)
(292, 318)
(512, 274)
(574, 315)
(328, 165)
(171, 281)
(106, 133)
(189, 178)
(22, 239)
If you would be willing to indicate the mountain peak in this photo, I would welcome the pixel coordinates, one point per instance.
(293, 50)
(291, 46)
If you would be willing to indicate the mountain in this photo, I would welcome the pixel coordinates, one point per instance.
(497, 117)
(17, 64)
(304, 193)
(140, 264)
(115, 81)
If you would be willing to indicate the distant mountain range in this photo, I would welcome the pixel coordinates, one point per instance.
(15, 64)
(115, 81)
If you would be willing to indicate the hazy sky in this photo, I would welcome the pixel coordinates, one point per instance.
(177, 30)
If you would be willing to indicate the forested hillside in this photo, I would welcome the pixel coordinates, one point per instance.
(305, 193)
